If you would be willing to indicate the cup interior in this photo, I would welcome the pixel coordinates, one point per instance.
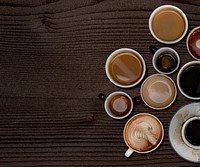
(108, 107)
(168, 19)
(125, 68)
(188, 80)
(158, 91)
(137, 135)
(193, 43)
(172, 62)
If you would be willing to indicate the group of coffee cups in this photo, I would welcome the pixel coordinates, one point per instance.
(126, 68)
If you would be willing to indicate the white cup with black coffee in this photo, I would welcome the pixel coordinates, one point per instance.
(119, 105)
(165, 60)
(190, 132)
(188, 80)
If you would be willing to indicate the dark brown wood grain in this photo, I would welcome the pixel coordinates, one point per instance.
(52, 58)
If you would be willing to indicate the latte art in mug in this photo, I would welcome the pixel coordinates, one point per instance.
(143, 133)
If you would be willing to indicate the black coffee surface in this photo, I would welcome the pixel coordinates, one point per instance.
(192, 132)
(166, 62)
(190, 81)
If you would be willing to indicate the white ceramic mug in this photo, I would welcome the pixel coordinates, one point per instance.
(120, 51)
(147, 129)
(164, 50)
(183, 131)
(183, 68)
(107, 100)
(168, 7)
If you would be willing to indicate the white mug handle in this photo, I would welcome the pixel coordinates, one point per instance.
(129, 152)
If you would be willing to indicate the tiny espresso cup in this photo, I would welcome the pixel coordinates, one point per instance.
(190, 132)
(125, 68)
(119, 105)
(143, 133)
(193, 43)
(168, 24)
(165, 60)
(188, 80)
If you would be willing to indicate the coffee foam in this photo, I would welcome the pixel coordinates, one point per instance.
(143, 133)
(158, 91)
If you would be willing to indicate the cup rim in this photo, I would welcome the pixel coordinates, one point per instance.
(178, 79)
(183, 131)
(151, 150)
(175, 93)
(120, 51)
(187, 40)
(172, 7)
(109, 112)
(155, 56)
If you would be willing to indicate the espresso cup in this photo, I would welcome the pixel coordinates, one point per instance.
(165, 60)
(119, 105)
(188, 80)
(158, 91)
(193, 43)
(190, 132)
(143, 133)
(168, 24)
(125, 68)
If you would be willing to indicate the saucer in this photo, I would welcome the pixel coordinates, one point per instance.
(175, 138)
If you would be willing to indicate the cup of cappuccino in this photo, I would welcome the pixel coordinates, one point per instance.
(119, 105)
(143, 133)
(168, 24)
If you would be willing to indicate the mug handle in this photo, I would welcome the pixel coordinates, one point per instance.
(102, 96)
(129, 152)
(153, 49)
(137, 100)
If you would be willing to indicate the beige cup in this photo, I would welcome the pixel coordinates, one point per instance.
(143, 133)
(125, 68)
(158, 91)
(168, 24)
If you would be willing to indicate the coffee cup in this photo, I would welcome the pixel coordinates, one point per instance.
(143, 133)
(165, 60)
(125, 68)
(193, 43)
(190, 132)
(119, 105)
(188, 80)
(168, 24)
(158, 91)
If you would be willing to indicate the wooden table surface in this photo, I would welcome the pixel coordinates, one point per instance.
(52, 58)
